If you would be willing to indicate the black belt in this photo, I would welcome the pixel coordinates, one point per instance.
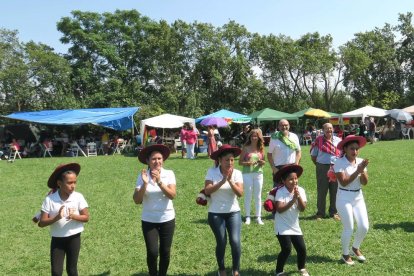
(349, 190)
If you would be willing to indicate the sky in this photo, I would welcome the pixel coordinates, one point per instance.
(36, 19)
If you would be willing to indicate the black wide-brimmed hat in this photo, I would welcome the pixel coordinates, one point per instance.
(224, 149)
(54, 177)
(286, 170)
(146, 152)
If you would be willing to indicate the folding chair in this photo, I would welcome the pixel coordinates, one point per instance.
(91, 149)
(74, 147)
(120, 146)
(14, 153)
(128, 146)
(177, 144)
(405, 133)
(307, 138)
(47, 149)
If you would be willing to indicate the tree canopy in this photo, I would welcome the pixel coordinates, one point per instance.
(127, 59)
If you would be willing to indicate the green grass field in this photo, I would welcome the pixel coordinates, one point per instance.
(112, 242)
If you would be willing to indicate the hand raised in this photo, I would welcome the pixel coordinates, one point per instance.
(61, 212)
(144, 176)
(155, 174)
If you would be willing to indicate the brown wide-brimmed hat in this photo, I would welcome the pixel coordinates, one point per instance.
(286, 170)
(54, 177)
(361, 141)
(146, 152)
(224, 149)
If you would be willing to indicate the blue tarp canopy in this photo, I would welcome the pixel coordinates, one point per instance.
(118, 118)
(235, 117)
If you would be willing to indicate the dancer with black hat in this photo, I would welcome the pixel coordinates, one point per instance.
(65, 211)
(155, 190)
(351, 172)
(289, 201)
(224, 184)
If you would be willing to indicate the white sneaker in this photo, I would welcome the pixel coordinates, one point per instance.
(259, 221)
(247, 221)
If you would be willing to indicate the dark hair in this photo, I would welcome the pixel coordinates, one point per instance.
(221, 156)
(286, 174)
(63, 175)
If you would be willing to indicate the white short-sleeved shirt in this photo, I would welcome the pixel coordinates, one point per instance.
(343, 165)
(281, 153)
(224, 200)
(157, 207)
(287, 223)
(63, 227)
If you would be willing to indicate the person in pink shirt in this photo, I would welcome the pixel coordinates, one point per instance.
(15, 144)
(190, 139)
(182, 139)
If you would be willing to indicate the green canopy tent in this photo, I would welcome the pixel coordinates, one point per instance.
(301, 113)
(269, 114)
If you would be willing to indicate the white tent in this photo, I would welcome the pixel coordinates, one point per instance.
(365, 111)
(164, 121)
(409, 109)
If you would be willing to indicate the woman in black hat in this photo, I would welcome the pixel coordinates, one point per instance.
(155, 190)
(289, 201)
(65, 211)
(224, 185)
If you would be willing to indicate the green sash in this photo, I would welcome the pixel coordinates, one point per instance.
(285, 140)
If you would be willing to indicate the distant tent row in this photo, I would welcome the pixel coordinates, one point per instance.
(120, 118)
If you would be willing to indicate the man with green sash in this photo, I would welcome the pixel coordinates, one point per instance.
(284, 148)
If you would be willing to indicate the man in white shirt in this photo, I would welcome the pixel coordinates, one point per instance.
(284, 148)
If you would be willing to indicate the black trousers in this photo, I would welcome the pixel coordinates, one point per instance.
(162, 233)
(286, 242)
(59, 247)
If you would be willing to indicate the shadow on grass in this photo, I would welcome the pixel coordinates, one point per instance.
(200, 221)
(406, 226)
(292, 259)
(106, 273)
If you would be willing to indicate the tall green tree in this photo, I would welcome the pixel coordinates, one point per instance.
(373, 72)
(405, 55)
(49, 76)
(15, 91)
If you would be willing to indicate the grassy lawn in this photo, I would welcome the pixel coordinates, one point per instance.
(112, 243)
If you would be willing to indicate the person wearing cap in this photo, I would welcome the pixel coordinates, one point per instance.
(224, 184)
(155, 189)
(65, 211)
(289, 201)
(284, 148)
(252, 160)
(323, 149)
(351, 172)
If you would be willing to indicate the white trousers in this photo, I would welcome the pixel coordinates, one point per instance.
(252, 186)
(351, 205)
(190, 150)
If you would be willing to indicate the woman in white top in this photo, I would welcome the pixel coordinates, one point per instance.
(289, 201)
(155, 190)
(351, 172)
(65, 211)
(224, 185)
